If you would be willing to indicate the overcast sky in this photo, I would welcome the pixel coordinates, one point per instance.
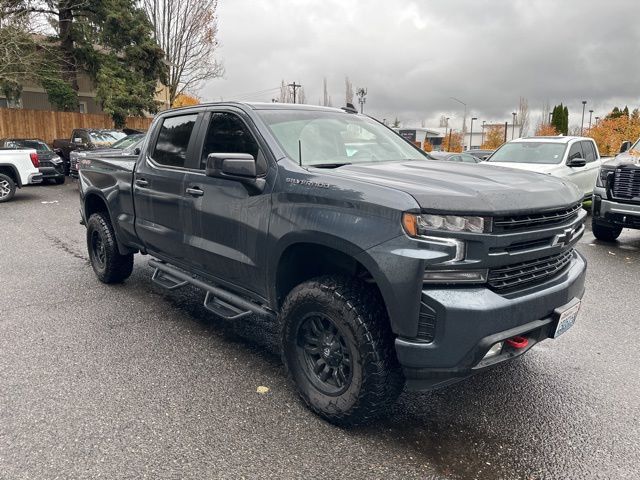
(413, 56)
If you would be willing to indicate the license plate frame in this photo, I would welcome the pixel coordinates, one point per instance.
(565, 317)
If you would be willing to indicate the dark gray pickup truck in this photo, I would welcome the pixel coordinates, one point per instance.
(383, 268)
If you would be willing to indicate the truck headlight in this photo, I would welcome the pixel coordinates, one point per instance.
(601, 180)
(419, 225)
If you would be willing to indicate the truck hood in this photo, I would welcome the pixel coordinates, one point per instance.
(623, 159)
(468, 188)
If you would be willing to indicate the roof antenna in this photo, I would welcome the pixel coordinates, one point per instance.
(299, 152)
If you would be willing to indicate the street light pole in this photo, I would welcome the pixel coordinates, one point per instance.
(590, 114)
(471, 132)
(584, 103)
(513, 126)
(446, 126)
(597, 120)
(483, 122)
(464, 118)
(550, 114)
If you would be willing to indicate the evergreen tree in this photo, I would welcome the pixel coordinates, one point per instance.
(112, 41)
(560, 119)
(615, 113)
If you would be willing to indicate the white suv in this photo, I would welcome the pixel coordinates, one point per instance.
(573, 158)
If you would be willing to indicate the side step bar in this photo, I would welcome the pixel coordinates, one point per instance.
(217, 300)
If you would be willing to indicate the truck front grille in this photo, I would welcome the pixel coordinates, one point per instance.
(514, 223)
(528, 273)
(626, 184)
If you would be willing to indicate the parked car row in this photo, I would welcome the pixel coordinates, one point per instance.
(125, 147)
(26, 161)
(86, 139)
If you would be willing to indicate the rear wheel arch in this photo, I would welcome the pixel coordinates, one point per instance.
(11, 172)
(96, 203)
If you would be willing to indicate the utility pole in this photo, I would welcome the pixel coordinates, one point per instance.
(584, 103)
(471, 133)
(506, 126)
(446, 126)
(464, 118)
(513, 126)
(294, 86)
(361, 93)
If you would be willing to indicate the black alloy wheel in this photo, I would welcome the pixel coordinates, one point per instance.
(324, 354)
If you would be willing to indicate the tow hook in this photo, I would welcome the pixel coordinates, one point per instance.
(518, 342)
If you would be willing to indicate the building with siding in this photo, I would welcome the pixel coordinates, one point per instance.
(34, 97)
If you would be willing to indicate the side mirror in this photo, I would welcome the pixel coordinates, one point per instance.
(137, 151)
(240, 167)
(626, 145)
(77, 141)
(576, 162)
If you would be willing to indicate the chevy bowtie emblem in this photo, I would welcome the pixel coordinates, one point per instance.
(564, 238)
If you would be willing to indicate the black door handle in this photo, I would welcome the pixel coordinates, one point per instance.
(141, 182)
(195, 191)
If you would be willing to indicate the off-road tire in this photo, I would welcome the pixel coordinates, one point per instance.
(8, 187)
(359, 314)
(604, 233)
(107, 262)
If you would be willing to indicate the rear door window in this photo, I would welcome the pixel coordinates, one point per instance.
(173, 140)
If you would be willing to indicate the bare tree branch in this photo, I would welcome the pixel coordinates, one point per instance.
(187, 32)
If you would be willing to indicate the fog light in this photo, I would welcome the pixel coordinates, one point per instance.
(455, 276)
(493, 351)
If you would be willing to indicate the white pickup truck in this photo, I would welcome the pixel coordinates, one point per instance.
(576, 159)
(17, 168)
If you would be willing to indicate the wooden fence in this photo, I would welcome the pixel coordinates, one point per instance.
(47, 125)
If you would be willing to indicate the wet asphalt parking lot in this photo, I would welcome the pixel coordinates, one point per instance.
(130, 381)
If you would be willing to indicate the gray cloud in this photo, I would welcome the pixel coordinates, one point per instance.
(412, 56)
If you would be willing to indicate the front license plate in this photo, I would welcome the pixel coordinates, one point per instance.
(566, 319)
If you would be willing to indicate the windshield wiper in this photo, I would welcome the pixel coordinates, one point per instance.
(330, 165)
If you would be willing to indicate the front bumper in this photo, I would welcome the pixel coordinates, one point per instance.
(610, 213)
(468, 321)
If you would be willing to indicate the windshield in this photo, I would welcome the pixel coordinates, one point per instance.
(128, 141)
(35, 144)
(334, 138)
(529, 152)
(109, 136)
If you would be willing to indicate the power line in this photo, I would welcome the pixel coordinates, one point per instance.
(251, 94)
